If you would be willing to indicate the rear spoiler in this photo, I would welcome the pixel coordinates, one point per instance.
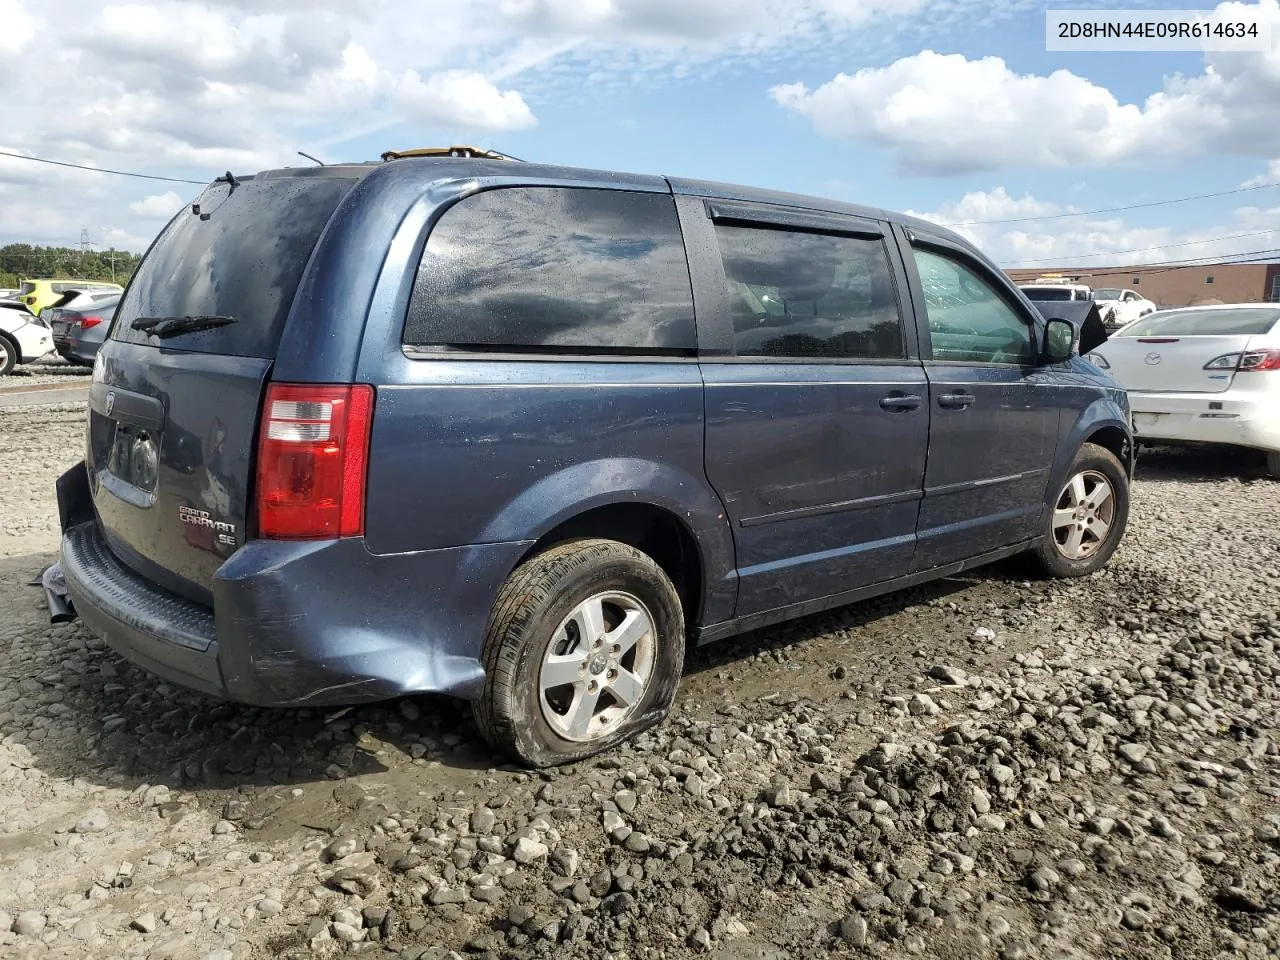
(1083, 313)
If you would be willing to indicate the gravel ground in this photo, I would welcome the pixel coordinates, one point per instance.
(50, 368)
(986, 766)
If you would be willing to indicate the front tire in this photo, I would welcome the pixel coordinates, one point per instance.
(584, 649)
(1089, 516)
(8, 355)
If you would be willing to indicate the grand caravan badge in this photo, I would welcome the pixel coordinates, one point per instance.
(224, 533)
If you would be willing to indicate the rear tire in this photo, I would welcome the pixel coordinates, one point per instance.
(8, 355)
(584, 649)
(1095, 496)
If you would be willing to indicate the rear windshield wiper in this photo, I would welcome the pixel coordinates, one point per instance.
(172, 326)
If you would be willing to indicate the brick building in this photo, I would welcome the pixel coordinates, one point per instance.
(1179, 286)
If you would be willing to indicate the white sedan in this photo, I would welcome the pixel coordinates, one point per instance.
(1209, 374)
(23, 337)
(1119, 307)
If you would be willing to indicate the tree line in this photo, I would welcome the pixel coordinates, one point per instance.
(25, 261)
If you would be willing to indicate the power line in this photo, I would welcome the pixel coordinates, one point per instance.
(1159, 246)
(118, 173)
(1129, 206)
(1248, 256)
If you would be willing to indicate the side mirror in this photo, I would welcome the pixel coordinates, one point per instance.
(1059, 341)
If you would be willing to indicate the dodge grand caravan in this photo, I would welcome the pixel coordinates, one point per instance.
(514, 432)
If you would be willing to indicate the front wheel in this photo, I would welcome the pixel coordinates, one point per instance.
(584, 649)
(8, 354)
(1089, 515)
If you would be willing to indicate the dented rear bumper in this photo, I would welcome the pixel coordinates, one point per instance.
(301, 623)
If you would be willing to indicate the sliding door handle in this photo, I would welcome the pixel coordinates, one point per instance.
(955, 401)
(900, 402)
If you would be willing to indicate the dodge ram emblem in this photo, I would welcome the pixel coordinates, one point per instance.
(111, 401)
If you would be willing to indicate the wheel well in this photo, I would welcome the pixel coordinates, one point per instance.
(649, 529)
(1115, 440)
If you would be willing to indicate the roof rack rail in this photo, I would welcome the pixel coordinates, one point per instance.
(474, 153)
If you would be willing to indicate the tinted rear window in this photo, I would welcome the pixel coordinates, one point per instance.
(1047, 294)
(551, 268)
(245, 261)
(1248, 321)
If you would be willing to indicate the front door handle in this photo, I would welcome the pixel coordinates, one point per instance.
(899, 402)
(955, 401)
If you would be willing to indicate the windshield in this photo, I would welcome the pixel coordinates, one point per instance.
(1107, 293)
(1048, 293)
(1246, 321)
(27, 287)
(240, 256)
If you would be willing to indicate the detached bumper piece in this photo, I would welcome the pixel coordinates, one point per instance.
(165, 634)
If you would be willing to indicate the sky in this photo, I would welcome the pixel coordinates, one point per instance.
(949, 109)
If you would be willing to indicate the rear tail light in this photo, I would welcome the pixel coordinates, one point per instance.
(313, 452)
(86, 323)
(1251, 361)
(1258, 360)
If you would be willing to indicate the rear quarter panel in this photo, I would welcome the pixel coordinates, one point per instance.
(480, 451)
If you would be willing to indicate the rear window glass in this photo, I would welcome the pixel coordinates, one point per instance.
(1107, 293)
(1247, 321)
(551, 268)
(1045, 294)
(245, 261)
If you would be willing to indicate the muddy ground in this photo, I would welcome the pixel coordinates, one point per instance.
(988, 765)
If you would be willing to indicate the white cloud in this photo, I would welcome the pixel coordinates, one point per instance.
(17, 26)
(947, 114)
(1271, 176)
(159, 205)
(458, 98)
(1094, 241)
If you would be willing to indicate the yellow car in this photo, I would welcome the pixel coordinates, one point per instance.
(38, 294)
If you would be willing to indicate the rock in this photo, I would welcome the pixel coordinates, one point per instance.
(30, 923)
(626, 801)
(94, 820)
(779, 795)
(269, 907)
(223, 827)
(922, 705)
(637, 842)
(346, 933)
(235, 810)
(1102, 826)
(853, 930)
(700, 939)
(984, 633)
(952, 676)
(341, 847)
(1135, 753)
(144, 922)
(86, 929)
(1134, 919)
(529, 851)
(483, 821)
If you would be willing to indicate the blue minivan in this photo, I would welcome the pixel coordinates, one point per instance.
(517, 433)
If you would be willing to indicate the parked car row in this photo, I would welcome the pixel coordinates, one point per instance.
(1116, 306)
(69, 316)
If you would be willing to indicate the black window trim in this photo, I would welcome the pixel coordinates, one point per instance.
(462, 190)
(1001, 284)
(792, 220)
